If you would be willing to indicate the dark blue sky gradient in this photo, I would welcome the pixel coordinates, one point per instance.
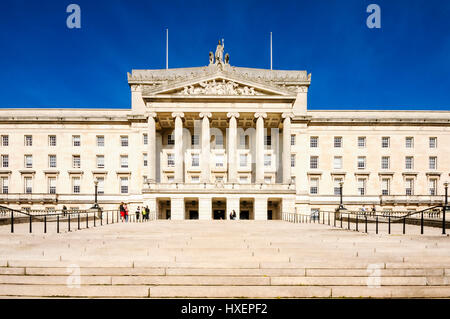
(403, 65)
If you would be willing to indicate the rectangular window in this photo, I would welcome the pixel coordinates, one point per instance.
(385, 141)
(100, 141)
(432, 187)
(28, 161)
(362, 142)
(123, 161)
(409, 142)
(52, 161)
(267, 160)
(292, 140)
(292, 160)
(5, 185)
(433, 142)
(337, 162)
(219, 140)
(101, 185)
(195, 140)
(362, 186)
(170, 179)
(5, 140)
(385, 186)
(195, 179)
(267, 180)
(219, 160)
(243, 160)
(52, 140)
(145, 139)
(313, 141)
(361, 162)
(195, 160)
(100, 161)
(314, 186)
(76, 185)
(337, 141)
(432, 162)
(409, 186)
(28, 140)
(5, 161)
(52, 185)
(124, 185)
(124, 140)
(76, 140)
(314, 162)
(243, 179)
(409, 162)
(268, 140)
(76, 161)
(385, 162)
(145, 157)
(170, 139)
(243, 141)
(28, 181)
(170, 159)
(337, 186)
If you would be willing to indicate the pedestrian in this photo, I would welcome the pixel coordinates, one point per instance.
(126, 212)
(122, 211)
(231, 215)
(64, 210)
(138, 212)
(147, 214)
(234, 214)
(374, 210)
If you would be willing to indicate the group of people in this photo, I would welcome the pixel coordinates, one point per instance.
(233, 215)
(123, 208)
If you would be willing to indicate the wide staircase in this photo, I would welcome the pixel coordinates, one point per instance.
(221, 259)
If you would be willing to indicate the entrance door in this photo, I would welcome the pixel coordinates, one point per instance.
(244, 214)
(168, 213)
(219, 214)
(193, 214)
(269, 215)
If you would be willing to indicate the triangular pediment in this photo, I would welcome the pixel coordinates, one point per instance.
(217, 85)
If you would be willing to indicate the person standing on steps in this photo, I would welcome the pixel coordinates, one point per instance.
(147, 212)
(138, 212)
(126, 212)
(122, 211)
(234, 214)
(64, 210)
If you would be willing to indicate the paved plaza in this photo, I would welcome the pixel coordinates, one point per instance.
(216, 259)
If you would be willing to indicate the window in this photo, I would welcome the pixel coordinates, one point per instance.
(314, 186)
(170, 159)
(52, 161)
(145, 139)
(267, 160)
(268, 140)
(145, 157)
(5, 185)
(292, 160)
(409, 186)
(123, 161)
(362, 142)
(195, 160)
(76, 140)
(52, 140)
(243, 160)
(432, 162)
(243, 179)
(361, 162)
(433, 142)
(337, 141)
(28, 161)
(219, 160)
(28, 140)
(124, 140)
(195, 140)
(76, 161)
(385, 141)
(292, 140)
(385, 186)
(293, 180)
(409, 162)
(100, 161)
(409, 142)
(100, 141)
(314, 162)
(101, 185)
(170, 179)
(313, 141)
(432, 187)
(337, 186)
(52, 185)
(219, 140)
(76, 185)
(337, 162)
(267, 180)
(385, 162)
(362, 186)
(195, 179)
(243, 141)
(170, 139)
(5, 161)
(5, 140)
(28, 181)
(219, 178)
(124, 185)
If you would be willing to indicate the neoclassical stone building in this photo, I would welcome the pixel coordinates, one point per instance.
(201, 142)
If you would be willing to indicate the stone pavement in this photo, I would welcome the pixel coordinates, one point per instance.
(216, 259)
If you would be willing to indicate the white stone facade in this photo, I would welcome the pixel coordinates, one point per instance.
(202, 142)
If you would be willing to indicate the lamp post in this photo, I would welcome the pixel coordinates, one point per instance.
(445, 207)
(341, 185)
(95, 200)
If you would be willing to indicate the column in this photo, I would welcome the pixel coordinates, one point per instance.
(232, 149)
(179, 158)
(206, 148)
(177, 208)
(287, 147)
(151, 154)
(205, 208)
(260, 208)
(259, 156)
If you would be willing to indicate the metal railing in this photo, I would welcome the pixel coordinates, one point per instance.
(69, 219)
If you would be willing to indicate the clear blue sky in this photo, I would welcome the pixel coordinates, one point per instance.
(403, 65)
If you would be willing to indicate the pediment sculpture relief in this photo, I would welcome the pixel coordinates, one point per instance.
(218, 88)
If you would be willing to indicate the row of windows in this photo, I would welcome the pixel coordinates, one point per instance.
(76, 140)
(385, 142)
(243, 140)
(361, 162)
(385, 186)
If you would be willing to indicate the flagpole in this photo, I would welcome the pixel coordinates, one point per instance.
(167, 48)
(271, 50)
